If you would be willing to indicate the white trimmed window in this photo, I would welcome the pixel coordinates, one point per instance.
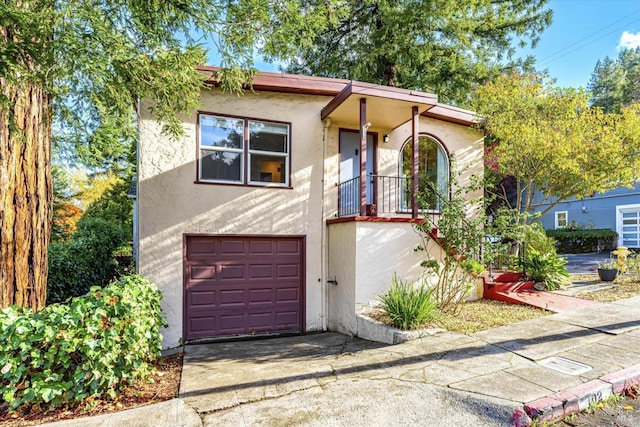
(243, 151)
(562, 219)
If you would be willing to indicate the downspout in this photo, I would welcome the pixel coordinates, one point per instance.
(324, 267)
(136, 201)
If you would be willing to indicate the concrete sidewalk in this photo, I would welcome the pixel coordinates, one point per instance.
(329, 379)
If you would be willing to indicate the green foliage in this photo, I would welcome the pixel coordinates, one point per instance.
(408, 305)
(444, 48)
(460, 229)
(583, 240)
(98, 58)
(609, 264)
(115, 207)
(615, 83)
(553, 144)
(85, 260)
(472, 266)
(538, 240)
(545, 267)
(92, 346)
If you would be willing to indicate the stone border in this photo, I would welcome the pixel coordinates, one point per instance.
(372, 330)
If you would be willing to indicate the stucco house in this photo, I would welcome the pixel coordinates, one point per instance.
(617, 209)
(284, 209)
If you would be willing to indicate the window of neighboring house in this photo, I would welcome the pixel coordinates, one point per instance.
(243, 151)
(433, 173)
(562, 219)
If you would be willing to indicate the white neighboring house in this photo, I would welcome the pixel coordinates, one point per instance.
(285, 209)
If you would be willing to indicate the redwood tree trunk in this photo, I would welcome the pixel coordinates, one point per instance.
(25, 194)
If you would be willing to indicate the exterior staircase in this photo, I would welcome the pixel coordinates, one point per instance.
(509, 287)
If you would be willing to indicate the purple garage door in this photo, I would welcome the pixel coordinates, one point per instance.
(242, 285)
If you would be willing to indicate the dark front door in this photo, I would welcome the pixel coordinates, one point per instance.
(243, 285)
(350, 172)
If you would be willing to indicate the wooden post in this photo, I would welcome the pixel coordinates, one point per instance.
(414, 166)
(363, 157)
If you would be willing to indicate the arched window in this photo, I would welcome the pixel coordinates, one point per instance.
(433, 172)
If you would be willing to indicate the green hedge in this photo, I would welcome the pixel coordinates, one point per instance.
(92, 346)
(584, 240)
(84, 261)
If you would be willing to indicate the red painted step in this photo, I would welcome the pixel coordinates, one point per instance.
(543, 299)
(506, 287)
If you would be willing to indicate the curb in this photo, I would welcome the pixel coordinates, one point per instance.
(578, 398)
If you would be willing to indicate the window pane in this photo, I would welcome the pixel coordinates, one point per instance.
(220, 165)
(268, 168)
(221, 132)
(432, 171)
(268, 137)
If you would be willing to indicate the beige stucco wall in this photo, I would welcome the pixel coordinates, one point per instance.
(361, 256)
(171, 204)
(342, 268)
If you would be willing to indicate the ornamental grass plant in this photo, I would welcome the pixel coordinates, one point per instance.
(409, 305)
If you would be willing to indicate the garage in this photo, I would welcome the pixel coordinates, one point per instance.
(242, 285)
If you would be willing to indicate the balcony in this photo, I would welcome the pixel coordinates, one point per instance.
(386, 196)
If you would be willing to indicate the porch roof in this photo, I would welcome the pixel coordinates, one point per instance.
(387, 107)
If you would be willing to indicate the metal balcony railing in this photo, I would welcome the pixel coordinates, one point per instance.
(384, 195)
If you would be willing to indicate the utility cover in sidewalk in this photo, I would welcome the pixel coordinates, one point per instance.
(565, 366)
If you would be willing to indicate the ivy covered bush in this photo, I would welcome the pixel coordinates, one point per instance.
(91, 346)
(85, 260)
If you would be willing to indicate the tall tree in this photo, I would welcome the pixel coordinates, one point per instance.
(553, 144)
(439, 46)
(615, 83)
(83, 65)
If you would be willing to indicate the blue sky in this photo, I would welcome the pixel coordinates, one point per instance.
(582, 32)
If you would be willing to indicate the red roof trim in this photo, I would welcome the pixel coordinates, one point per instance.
(341, 89)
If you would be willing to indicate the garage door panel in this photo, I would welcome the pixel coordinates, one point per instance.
(203, 272)
(232, 324)
(204, 246)
(291, 247)
(261, 271)
(243, 285)
(232, 272)
(200, 298)
(286, 319)
(260, 295)
(232, 297)
(202, 324)
(261, 247)
(285, 271)
(232, 247)
(287, 295)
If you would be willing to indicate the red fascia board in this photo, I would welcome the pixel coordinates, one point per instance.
(453, 115)
(288, 83)
(377, 91)
(341, 89)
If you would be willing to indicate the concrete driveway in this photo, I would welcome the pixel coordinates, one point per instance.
(447, 379)
(332, 379)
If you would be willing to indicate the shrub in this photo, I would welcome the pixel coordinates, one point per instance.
(537, 239)
(408, 305)
(584, 240)
(84, 261)
(545, 267)
(92, 346)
